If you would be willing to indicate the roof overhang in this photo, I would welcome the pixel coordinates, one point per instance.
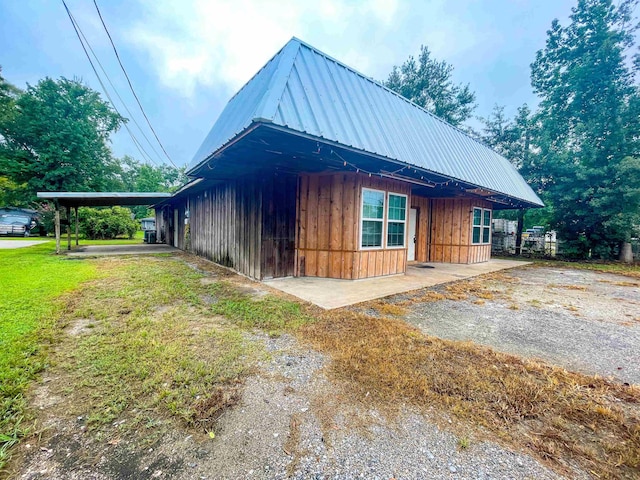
(103, 199)
(265, 147)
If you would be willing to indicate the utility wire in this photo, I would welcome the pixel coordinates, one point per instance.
(104, 88)
(130, 85)
(124, 104)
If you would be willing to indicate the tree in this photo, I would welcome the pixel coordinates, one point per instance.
(56, 138)
(427, 82)
(513, 139)
(134, 176)
(11, 193)
(137, 177)
(589, 129)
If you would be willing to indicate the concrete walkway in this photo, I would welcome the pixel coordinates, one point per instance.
(330, 293)
(12, 244)
(133, 249)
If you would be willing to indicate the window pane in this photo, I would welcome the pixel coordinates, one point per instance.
(476, 234)
(372, 204)
(371, 233)
(397, 207)
(395, 234)
(486, 218)
(485, 235)
(477, 216)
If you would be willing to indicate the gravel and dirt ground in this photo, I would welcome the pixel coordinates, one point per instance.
(292, 420)
(581, 320)
(290, 423)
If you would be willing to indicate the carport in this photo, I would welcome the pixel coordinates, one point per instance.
(76, 200)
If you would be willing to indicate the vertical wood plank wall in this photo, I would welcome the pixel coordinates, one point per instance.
(310, 226)
(278, 226)
(450, 240)
(247, 225)
(328, 228)
(226, 225)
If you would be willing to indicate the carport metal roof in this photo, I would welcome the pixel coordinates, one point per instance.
(104, 199)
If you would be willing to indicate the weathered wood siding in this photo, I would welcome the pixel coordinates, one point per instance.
(246, 224)
(278, 226)
(450, 239)
(226, 225)
(328, 228)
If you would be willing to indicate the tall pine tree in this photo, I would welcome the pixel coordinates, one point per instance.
(589, 127)
(427, 82)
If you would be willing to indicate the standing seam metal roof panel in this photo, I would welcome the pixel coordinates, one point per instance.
(304, 90)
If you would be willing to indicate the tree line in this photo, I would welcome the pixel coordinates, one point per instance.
(55, 136)
(579, 148)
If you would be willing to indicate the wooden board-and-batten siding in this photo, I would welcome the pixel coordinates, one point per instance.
(247, 225)
(328, 228)
(451, 235)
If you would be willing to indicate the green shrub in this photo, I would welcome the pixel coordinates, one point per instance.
(107, 223)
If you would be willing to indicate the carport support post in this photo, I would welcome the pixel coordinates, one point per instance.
(76, 226)
(68, 228)
(57, 227)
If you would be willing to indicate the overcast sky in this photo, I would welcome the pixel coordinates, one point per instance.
(186, 59)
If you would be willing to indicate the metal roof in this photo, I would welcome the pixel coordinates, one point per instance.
(103, 199)
(305, 90)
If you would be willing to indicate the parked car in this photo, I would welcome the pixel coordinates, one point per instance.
(19, 222)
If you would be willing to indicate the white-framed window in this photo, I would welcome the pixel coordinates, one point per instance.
(481, 229)
(396, 220)
(372, 222)
(383, 221)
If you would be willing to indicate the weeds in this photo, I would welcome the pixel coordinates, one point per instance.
(273, 314)
(548, 411)
(155, 348)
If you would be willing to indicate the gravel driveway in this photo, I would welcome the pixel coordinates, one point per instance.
(578, 319)
(290, 424)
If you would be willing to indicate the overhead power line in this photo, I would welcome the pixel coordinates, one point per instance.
(76, 28)
(115, 50)
(124, 104)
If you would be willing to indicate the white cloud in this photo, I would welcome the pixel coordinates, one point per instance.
(223, 43)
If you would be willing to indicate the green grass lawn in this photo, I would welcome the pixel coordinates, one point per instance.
(31, 281)
(138, 238)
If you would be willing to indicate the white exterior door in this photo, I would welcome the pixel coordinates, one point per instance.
(411, 252)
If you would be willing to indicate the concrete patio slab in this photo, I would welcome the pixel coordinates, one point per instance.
(330, 293)
(12, 244)
(134, 249)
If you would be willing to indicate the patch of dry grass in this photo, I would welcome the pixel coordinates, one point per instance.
(558, 416)
(567, 286)
(627, 284)
(628, 270)
(479, 288)
(383, 307)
